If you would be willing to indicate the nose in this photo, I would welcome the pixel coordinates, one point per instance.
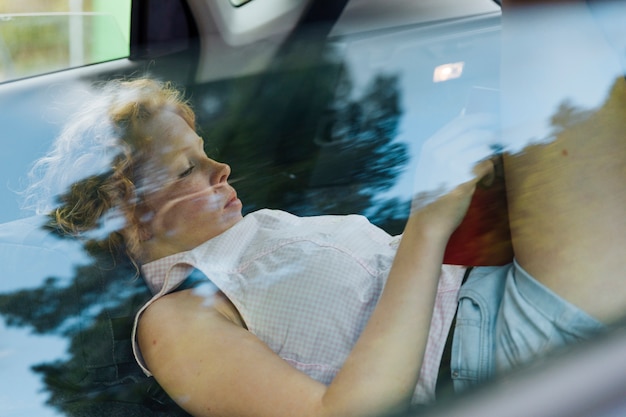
(219, 172)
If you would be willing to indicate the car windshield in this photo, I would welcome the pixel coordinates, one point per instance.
(356, 107)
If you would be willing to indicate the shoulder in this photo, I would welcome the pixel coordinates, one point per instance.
(205, 361)
(168, 313)
(181, 328)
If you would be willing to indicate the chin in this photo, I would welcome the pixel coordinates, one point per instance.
(232, 218)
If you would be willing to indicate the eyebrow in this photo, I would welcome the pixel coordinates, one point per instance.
(200, 141)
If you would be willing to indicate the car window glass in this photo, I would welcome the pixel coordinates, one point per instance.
(331, 121)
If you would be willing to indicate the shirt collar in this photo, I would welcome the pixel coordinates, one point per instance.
(221, 252)
(165, 274)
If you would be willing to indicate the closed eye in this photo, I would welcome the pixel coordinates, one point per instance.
(187, 172)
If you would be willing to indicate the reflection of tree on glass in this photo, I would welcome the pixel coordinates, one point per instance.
(160, 187)
(301, 139)
(98, 376)
(268, 288)
(107, 297)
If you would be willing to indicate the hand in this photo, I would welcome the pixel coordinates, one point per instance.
(444, 213)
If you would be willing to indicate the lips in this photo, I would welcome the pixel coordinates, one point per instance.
(232, 200)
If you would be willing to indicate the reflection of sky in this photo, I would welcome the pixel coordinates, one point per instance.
(30, 119)
(413, 55)
(548, 57)
(21, 390)
(27, 258)
(555, 55)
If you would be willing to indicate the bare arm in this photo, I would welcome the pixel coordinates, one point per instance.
(213, 367)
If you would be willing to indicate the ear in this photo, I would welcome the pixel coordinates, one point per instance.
(143, 231)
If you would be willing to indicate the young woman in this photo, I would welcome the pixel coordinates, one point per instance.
(319, 316)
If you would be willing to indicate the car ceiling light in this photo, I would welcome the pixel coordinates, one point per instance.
(447, 72)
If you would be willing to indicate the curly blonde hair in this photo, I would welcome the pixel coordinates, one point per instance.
(87, 182)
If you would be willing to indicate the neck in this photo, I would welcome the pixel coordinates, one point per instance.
(154, 249)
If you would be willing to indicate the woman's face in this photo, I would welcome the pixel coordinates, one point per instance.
(186, 199)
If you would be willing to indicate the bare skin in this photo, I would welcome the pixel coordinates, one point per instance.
(212, 366)
(566, 208)
(567, 201)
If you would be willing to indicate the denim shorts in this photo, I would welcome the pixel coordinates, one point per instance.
(506, 318)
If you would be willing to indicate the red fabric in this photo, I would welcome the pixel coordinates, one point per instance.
(483, 238)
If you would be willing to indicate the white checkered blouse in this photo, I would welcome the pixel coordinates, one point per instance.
(305, 286)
